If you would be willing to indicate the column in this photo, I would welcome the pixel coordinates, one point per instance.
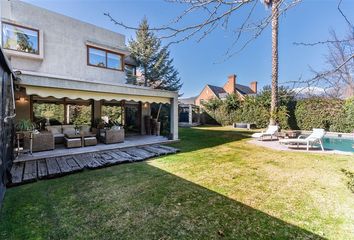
(174, 118)
(190, 114)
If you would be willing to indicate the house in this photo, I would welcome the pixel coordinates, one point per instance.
(71, 68)
(230, 87)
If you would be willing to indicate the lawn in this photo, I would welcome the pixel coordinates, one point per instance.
(218, 187)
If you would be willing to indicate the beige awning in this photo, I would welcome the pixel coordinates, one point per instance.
(86, 95)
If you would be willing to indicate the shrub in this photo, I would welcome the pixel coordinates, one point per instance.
(319, 113)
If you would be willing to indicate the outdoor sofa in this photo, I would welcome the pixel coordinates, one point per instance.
(60, 130)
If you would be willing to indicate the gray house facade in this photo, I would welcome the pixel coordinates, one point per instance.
(72, 64)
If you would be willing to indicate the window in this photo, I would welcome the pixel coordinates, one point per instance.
(103, 58)
(20, 38)
(48, 113)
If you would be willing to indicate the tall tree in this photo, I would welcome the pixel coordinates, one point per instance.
(216, 13)
(274, 4)
(153, 60)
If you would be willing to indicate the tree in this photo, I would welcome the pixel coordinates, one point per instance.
(153, 60)
(216, 13)
(337, 78)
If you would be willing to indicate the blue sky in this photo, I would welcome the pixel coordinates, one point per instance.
(201, 63)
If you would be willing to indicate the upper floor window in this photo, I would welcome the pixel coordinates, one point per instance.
(20, 38)
(104, 58)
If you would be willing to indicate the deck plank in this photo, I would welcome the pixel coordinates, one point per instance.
(42, 168)
(30, 172)
(124, 156)
(121, 156)
(91, 161)
(53, 167)
(63, 165)
(140, 153)
(70, 160)
(82, 160)
(110, 157)
(156, 150)
(171, 149)
(17, 172)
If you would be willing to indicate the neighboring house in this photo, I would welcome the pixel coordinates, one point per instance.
(230, 87)
(66, 62)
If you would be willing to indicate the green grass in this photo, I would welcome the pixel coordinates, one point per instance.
(218, 187)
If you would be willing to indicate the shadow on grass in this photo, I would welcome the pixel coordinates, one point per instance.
(133, 201)
(199, 138)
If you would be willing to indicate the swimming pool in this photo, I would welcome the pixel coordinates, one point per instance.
(339, 143)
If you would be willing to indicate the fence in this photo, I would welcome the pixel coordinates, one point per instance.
(7, 110)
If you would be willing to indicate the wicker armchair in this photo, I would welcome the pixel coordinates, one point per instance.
(109, 136)
(43, 141)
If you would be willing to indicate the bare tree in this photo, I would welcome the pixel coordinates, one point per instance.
(216, 14)
(336, 79)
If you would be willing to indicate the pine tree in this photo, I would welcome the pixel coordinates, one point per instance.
(153, 60)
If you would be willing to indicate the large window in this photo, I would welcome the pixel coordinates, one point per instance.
(112, 112)
(20, 38)
(103, 58)
(48, 113)
(79, 114)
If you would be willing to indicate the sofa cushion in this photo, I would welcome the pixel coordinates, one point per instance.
(68, 129)
(85, 128)
(54, 129)
(58, 135)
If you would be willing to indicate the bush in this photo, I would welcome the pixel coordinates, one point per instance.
(319, 113)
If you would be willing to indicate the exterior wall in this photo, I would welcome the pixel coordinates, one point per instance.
(206, 94)
(64, 43)
(230, 85)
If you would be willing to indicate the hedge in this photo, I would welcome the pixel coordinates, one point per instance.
(317, 112)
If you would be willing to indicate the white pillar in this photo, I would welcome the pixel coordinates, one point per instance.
(190, 114)
(174, 117)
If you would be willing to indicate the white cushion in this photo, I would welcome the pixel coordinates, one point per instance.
(73, 139)
(90, 138)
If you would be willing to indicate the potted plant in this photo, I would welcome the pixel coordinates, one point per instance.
(25, 125)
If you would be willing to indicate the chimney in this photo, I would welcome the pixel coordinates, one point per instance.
(230, 85)
(253, 86)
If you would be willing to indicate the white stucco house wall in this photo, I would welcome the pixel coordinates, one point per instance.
(73, 60)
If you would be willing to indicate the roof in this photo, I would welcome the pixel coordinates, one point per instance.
(244, 89)
(221, 93)
(217, 90)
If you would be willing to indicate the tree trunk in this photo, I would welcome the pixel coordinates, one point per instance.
(145, 76)
(274, 102)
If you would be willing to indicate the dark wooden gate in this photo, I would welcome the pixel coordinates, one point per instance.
(7, 114)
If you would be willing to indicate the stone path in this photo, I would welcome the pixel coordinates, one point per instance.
(30, 171)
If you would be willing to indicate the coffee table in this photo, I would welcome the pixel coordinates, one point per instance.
(82, 136)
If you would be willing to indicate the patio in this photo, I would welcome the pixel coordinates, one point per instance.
(130, 141)
(62, 161)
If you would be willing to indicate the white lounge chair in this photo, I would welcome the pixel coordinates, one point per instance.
(272, 131)
(314, 138)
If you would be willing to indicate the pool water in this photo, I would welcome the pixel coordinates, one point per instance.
(341, 144)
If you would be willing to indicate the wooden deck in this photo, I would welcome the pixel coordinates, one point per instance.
(51, 167)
